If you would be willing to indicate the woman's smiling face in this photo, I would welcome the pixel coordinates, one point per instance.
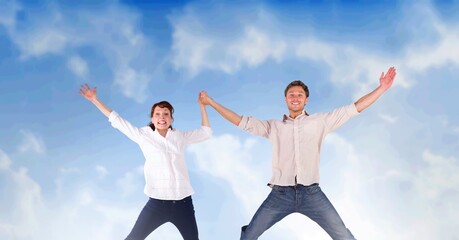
(162, 118)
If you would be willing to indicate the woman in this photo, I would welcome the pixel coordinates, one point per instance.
(167, 182)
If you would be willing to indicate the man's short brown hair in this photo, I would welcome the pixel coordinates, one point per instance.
(297, 83)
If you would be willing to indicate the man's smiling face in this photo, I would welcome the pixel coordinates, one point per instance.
(296, 100)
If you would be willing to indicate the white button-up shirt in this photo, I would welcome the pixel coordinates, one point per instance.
(165, 169)
(296, 143)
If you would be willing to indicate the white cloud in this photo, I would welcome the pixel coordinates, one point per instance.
(24, 201)
(31, 143)
(102, 171)
(256, 46)
(191, 58)
(228, 158)
(438, 177)
(43, 41)
(350, 65)
(78, 66)
(371, 193)
(197, 46)
(69, 170)
(433, 42)
(225, 157)
(112, 31)
(79, 212)
(5, 161)
(388, 118)
(445, 122)
(132, 181)
(436, 186)
(8, 10)
(132, 83)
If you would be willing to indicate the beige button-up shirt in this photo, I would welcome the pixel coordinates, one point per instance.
(166, 173)
(296, 143)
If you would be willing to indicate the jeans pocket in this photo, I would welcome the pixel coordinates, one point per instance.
(313, 189)
(278, 189)
(279, 199)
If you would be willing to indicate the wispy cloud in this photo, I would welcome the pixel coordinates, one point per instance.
(31, 142)
(355, 176)
(234, 159)
(199, 45)
(388, 118)
(438, 177)
(5, 161)
(131, 182)
(101, 171)
(436, 187)
(8, 10)
(113, 31)
(25, 201)
(33, 215)
(78, 66)
(257, 46)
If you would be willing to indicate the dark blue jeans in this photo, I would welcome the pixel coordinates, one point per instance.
(157, 212)
(307, 200)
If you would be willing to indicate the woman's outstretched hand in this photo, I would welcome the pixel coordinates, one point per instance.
(91, 95)
(88, 93)
(204, 98)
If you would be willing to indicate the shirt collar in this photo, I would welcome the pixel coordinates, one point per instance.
(287, 117)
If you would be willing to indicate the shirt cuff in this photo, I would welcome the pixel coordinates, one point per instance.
(243, 123)
(352, 110)
(207, 129)
(113, 115)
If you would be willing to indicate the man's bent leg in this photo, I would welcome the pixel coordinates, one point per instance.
(279, 203)
(316, 206)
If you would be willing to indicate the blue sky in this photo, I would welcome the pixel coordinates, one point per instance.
(65, 173)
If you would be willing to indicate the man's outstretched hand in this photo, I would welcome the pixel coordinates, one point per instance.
(387, 79)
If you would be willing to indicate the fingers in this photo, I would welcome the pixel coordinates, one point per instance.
(84, 88)
(391, 72)
(86, 91)
(204, 98)
(203, 94)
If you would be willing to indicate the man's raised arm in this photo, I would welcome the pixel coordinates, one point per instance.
(385, 82)
(225, 112)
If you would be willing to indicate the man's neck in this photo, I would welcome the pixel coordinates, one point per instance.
(293, 115)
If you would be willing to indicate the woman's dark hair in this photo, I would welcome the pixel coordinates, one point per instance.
(162, 104)
(297, 83)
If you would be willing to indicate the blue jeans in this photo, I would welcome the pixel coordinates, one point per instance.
(157, 212)
(307, 200)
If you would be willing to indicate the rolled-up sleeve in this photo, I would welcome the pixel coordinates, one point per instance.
(124, 126)
(198, 135)
(339, 116)
(255, 126)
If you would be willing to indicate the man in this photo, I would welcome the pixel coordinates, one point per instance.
(296, 142)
